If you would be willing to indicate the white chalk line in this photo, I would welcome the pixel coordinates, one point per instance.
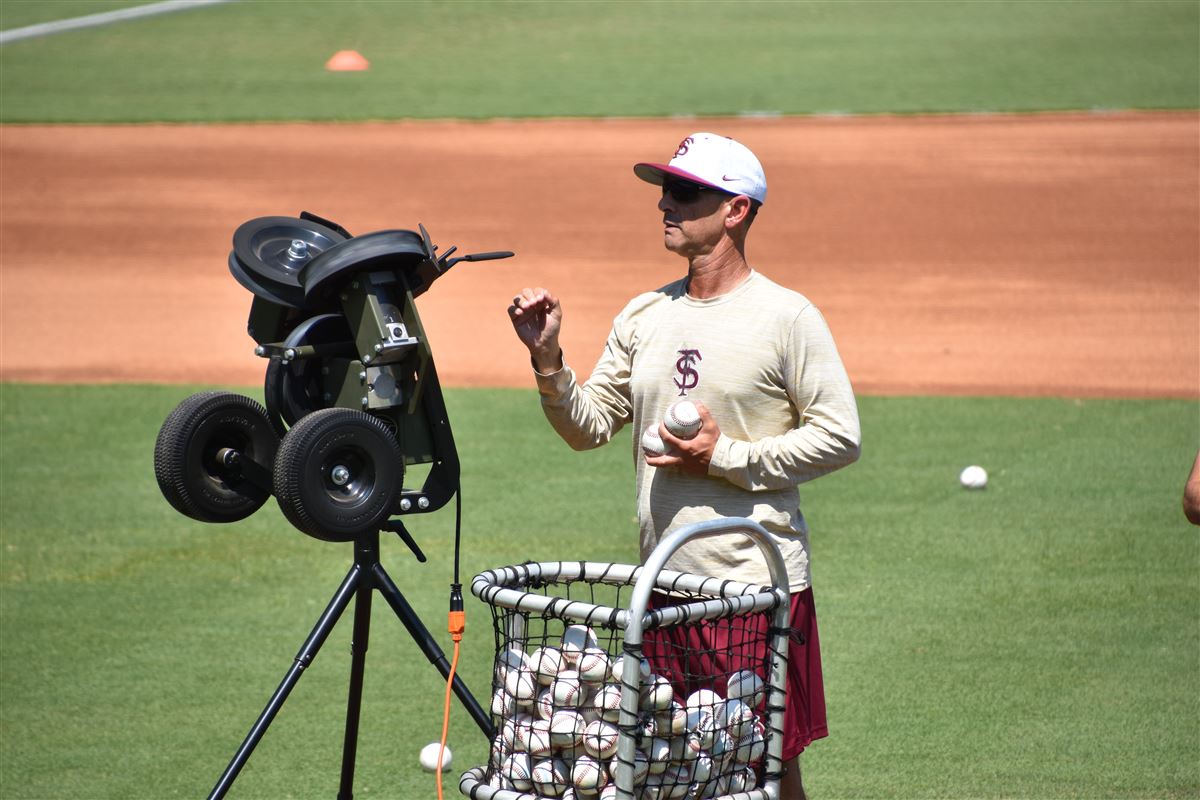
(103, 18)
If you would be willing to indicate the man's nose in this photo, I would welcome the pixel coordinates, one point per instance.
(664, 204)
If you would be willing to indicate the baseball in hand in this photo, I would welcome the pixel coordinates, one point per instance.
(652, 443)
(429, 757)
(683, 419)
(973, 477)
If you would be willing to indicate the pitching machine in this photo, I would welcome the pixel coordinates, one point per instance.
(351, 401)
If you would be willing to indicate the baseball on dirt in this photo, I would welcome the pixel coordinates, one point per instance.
(973, 477)
(683, 419)
(429, 757)
(652, 443)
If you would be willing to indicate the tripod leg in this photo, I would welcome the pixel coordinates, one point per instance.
(429, 647)
(358, 659)
(308, 651)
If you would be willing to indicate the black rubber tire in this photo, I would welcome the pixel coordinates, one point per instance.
(305, 487)
(189, 474)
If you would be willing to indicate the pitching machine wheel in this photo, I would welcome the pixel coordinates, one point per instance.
(295, 388)
(269, 252)
(338, 474)
(209, 452)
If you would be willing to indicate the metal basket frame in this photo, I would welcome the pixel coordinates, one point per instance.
(729, 598)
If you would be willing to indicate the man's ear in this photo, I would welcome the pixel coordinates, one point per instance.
(739, 209)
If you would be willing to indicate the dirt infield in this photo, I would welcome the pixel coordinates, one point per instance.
(1015, 255)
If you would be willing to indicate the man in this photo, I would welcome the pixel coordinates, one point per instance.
(1191, 493)
(776, 404)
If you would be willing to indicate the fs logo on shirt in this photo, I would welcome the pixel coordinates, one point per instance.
(685, 365)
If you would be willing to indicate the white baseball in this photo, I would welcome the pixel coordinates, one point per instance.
(511, 657)
(429, 757)
(745, 685)
(546, 662)
(673, 719)
(538, 743)
(659, 753)
(522, 725)
(683, 419)
(593, 665)
(618, 669)
(657, 693)
(641, 766)
(973, 477)
(607, 702)
(701, 768)
(503, 704)
(521, 684)
(507, 735)
(652, 443)
(676, 782)
(721, 749)
(550, 777)
(518, 771)
(750, 748)
(742, 780)
(566, 690)
(589, 774)
(735, 717)
(600, 739)
(576, 639)
(703, 700)
(566, 728)
(543, 707)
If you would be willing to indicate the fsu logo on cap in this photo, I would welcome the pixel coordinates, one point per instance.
(683, 147)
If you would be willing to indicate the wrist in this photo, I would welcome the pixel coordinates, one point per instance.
(548, 361)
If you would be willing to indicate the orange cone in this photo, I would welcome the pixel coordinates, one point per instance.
(347, 61)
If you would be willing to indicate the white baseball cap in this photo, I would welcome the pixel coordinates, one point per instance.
(711, 160)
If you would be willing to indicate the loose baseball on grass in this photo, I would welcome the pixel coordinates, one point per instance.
(973, 477)
(429, 757)
(683, 419)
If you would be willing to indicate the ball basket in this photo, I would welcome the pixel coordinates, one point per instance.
(631, 682)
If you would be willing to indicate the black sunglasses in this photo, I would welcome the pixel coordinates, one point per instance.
(685, 191)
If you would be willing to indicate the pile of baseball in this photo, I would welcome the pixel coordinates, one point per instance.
(558, 709)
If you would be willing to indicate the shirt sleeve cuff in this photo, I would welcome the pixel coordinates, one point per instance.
(727, 457)
(554, 384)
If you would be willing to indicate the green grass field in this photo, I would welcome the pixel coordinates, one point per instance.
(1040, 639)
(258, 60)
(1037, 639)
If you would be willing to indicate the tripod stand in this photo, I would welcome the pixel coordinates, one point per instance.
(365, 577)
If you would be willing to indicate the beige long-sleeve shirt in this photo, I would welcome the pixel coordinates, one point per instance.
(764, 362)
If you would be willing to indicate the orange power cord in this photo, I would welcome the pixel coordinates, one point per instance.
(456, 624)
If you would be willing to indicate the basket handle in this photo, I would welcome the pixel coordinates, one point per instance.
(640, 599)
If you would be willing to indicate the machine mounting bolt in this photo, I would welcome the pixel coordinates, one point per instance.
(298, 249)
(260, 350)
(362, 375)
(405, 504)
(378, 347)
(289, 354)
(422, 503)
(366, 359)
(340, 475)
(365, 401)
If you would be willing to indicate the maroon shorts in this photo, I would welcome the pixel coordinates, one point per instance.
(688, 655)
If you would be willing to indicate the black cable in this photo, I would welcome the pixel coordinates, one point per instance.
(457, 529)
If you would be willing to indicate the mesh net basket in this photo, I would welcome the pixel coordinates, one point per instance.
(618, 681)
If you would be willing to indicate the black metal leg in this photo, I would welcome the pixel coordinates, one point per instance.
(358, 660)
(308, 651)
(420, 634)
